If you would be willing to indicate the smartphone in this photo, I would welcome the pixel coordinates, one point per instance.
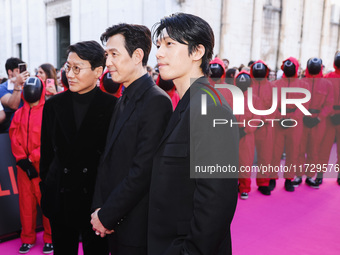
(22, 67)
(49, 83)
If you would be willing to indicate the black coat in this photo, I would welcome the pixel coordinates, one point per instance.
(70, 157)
(125, 169)
(193, 215)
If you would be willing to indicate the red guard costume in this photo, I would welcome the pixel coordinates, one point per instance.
(172, 94)
(288, 138)
(332, 130)
(117, 92)
(320, 105)
(218, 74)
(25, 131)
(263, 135)
(247, 142)
(220, 62)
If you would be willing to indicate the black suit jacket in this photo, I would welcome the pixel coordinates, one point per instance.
(193, 215)
(125, 169)
(70, 157)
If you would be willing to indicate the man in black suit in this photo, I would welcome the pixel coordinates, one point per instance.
(73, 134)
(121, 195)
(190, 208)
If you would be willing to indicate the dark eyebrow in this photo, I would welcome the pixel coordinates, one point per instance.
(75, 63)
(163, 38)
(111, 50)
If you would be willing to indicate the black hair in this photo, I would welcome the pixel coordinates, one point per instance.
(64, 80)
(136, 36)
(12, 63)
(90, 51)
(250, 63)
(230, 73)
(190, 30)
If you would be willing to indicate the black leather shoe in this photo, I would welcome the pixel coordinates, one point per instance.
(318, 181)
(319, 178)
(289, 186)
(297, 181)
(264, 190)
(272, 184)
(311, 183)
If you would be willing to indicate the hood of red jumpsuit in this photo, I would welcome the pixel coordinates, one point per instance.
(220, 62)
(42, 97)
(295, 62)
(259, 61)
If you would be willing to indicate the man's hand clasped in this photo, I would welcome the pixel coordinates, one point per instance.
(97, 226)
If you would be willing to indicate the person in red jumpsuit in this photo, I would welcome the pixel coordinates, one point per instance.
(217, 75)
(24, 132)
(170, 88)
(320, 106)
(247, 138)
(332, 121)
(264, 135)
(107, 85)
(288, 138)
(217, 69)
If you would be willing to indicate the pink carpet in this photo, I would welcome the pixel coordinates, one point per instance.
(12, 247)
(304, 222)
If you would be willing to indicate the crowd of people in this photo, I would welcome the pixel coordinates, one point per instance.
(304, 140)
(106, 153)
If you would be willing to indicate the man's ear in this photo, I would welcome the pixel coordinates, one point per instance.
(10, 73)
(138, 55)
(198, 53)
(99, 71)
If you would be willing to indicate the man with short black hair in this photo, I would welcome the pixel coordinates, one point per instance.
(73, 133)
(10, 91)
(190, 212)
(121, 196)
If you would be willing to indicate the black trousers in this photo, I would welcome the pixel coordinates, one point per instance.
(74, 221)
(117, 248)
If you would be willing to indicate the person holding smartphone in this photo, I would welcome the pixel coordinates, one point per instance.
(10, 91)
(48, 74)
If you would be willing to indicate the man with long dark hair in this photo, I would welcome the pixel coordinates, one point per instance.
(190, 211)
